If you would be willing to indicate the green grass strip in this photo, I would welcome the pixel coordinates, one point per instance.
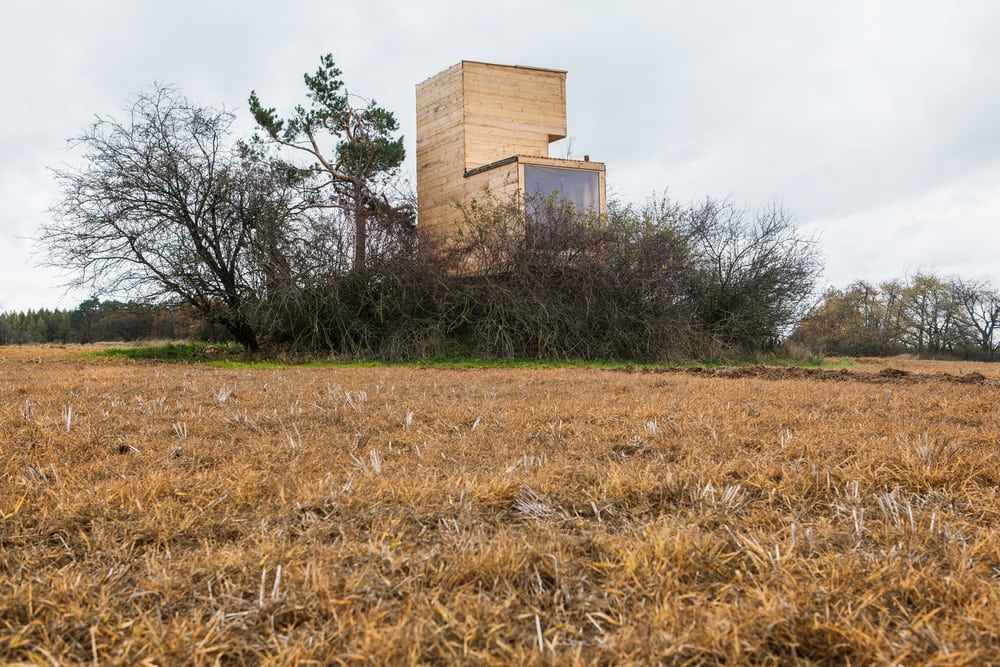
(209, 354)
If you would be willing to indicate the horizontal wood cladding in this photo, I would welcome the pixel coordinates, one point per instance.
(475, 114)
(443, 213)
(440, 149)
(511, 111)
(478, 155)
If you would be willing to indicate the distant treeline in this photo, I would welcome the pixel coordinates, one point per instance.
(924, 314)
(95, 320)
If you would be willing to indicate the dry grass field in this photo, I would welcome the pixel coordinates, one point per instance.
(178, 514)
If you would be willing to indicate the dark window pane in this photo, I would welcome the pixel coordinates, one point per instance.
(573, 185)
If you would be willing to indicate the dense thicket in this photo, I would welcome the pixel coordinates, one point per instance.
(555, 284)
(646, 282)
(923, 314)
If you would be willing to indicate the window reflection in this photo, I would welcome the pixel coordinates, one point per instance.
(576, 186)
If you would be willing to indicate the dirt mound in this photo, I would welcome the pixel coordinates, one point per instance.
(884, 376)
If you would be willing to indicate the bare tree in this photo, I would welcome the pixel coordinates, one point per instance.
(165, 207)
(980, 309)
(930, 315)
(753, 276)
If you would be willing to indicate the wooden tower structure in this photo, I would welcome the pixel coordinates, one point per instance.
(488, 127)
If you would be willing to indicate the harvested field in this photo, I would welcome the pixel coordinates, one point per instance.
(174, 514)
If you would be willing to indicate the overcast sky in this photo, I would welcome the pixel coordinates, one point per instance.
(875, 123)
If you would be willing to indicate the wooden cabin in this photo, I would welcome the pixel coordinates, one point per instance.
(488, 127)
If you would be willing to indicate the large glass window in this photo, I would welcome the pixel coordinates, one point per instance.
(577, 186)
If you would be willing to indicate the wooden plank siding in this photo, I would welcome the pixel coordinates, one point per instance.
(474, 114)
(440, 148)
(511, 111)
